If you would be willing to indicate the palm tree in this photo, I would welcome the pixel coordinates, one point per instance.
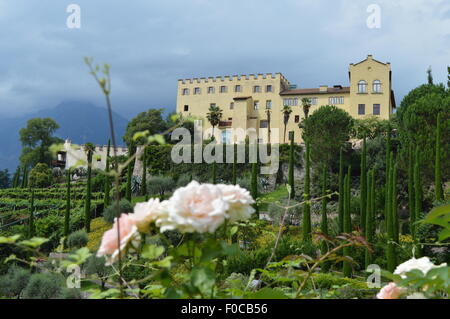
(214, 116)
(287, 110)
(306, 102)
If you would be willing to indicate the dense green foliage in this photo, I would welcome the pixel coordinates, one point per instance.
(111, 212)
(77, 239)
(40, 176)
(89, 148)
(36, 138)
(306, 225)
(151, 121)
(328, 128)
(416, 121)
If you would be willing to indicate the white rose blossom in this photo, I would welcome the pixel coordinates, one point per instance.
(195, 208)
(239, 200)
(423, 264)
(146, 213)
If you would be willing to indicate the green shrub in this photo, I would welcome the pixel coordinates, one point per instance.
(70, 293)
(41, 176)
(77, 239)
(160, 185)
(96, 266)
(43, 286)
(245, 261)
(110, 213)
(98, 181)
(183, 180)
(14, 282)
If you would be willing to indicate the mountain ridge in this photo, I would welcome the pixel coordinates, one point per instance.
(79, 121)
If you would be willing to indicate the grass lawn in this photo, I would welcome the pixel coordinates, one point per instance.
(278, 194)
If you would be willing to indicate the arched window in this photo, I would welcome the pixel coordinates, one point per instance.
(376, 86)
(362, 86)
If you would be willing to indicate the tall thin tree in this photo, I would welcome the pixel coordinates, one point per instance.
(437, 165)
(67, 214)
(89, 149)
(363, 187)
(306, 229)
(341, 192)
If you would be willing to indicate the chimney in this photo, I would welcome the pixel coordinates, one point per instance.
(323, 88)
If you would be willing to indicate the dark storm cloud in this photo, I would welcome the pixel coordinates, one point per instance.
(151, 44)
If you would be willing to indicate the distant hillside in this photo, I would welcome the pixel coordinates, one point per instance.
(80, 121)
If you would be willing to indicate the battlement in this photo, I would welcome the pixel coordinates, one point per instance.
(234, 78)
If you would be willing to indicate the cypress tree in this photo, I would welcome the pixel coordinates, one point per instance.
(369, 230)
(394, 209)
(214, 172)
(14, 180)
(24, 178)
(307, 207)
(347, 270)
(324, 222)
(144, 173)
(234, 172)
(67, 214)
(128, 189)
(87, 204)
(390, 253)
(291, 166)
(107, 187)
(437, 166)
(254, 186)
(341, 192)
(411, 192)
(417, 192)
(363, 188)
(31, 218)
(386, 188)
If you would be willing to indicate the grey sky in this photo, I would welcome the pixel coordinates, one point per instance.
(151, 44)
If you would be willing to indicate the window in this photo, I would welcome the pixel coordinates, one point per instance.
(297, 119)
(185, 91)
(290, 102)
(335, 100)
(362, 86)
(291, 135)
(263, 124)
(269, 88)
(231, 106)
(268, 104)
(226, 137)
(376, 109)
(376, 86)
(186, 108)
(313, 100)
(256, 105)
(197, 91)
(211, 90)
(361, 109)
(223, 89)
(257, 89)
(237, 88)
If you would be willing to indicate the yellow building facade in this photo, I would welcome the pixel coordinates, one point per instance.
(253, 101)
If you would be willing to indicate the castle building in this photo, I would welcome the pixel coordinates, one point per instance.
(248, 101)
(73, 155)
